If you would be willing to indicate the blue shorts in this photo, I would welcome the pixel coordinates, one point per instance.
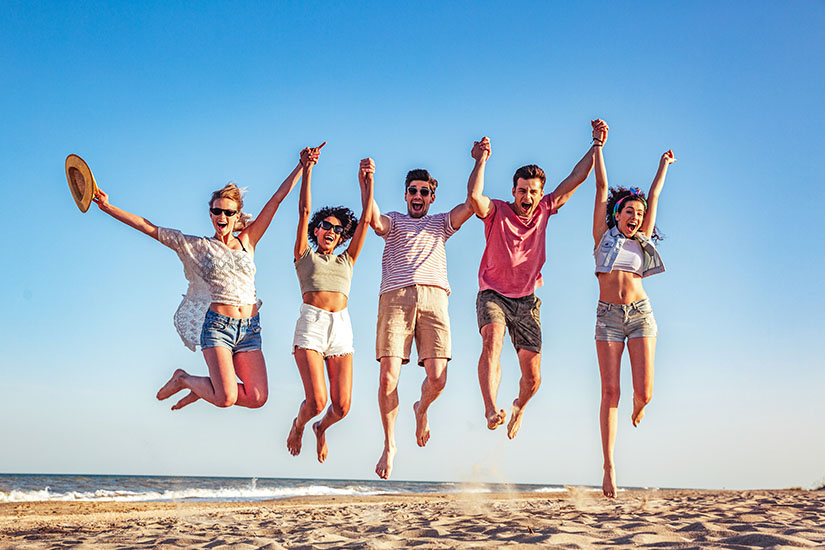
(615, 322)
(227, 332)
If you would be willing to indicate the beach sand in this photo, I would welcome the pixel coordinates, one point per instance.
(575, 519)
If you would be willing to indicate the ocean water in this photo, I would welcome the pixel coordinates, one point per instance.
(45, 487)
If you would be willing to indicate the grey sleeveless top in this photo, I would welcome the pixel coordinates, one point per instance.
(324, 272)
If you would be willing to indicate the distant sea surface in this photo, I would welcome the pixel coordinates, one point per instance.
(42, 487)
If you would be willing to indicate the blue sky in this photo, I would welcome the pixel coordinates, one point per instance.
(168, 102)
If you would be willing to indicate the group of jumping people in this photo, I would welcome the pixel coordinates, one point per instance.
(219, 312)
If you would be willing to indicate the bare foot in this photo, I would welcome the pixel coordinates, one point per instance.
(609, 483)
(638, 412)
(496, 419)
(515, 419)
(384, 466)
(293, 441)
(422, 426)
(187, 400)
(321, 447)
(173, 386)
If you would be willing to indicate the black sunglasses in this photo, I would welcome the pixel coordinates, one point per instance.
(227, 213)
(326, 226)
(425, 191)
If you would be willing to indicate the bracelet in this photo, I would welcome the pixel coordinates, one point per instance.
(597, 142)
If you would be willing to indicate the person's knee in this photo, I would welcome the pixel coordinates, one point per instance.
(387, 381)
(492, 338)
(258, 398)
(341, 409)
(316, 405)
(437, 380)
(224, 400)
(532, 380)
(610, 394)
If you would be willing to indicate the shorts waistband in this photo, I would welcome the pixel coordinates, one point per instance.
(310, 307)
(233, 320)
(625, 307)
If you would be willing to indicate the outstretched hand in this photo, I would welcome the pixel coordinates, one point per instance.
(310, 155)
(600, 129)
(366, 170)
(668, 158)
(482, 149)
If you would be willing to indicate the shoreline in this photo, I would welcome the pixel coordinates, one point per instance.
(683, 518)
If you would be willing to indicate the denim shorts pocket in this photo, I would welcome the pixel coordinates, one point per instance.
(255, 329)
(644, 308)
(601, 310)
(215, 324)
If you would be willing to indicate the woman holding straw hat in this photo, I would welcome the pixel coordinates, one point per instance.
(219, 312)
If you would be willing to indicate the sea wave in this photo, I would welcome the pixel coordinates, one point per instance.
(194, 493)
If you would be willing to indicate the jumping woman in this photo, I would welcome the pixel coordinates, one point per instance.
(624, 222)
(219, 312)
(323, 333)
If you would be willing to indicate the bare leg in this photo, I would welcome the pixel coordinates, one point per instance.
(339, 369)
(188, 399)
(221, 386)
(642, 352)
(311, 367)
(489, 372)
(431, 388)
(530, 364)
(388, 404)
(251, 369)
(610, 361)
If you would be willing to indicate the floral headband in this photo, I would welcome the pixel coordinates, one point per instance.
(635, 195)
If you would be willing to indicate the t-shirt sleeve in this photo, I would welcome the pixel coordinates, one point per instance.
(494, 205)
(390, 216)
(180, 243)
(549, 201)
(449, 230)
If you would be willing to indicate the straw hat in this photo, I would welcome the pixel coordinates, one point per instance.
(81, 181)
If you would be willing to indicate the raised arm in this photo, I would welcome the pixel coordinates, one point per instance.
(366, 178)
(308, 159)
(480, 203)
(141, 224)
(600, 208)
(255, 230)
(568, 186)
(379, 223)
(655, 189)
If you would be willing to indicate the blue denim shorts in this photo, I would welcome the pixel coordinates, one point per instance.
(227, 332)
(615, 322)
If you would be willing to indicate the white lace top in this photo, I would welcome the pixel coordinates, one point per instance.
(216, 273)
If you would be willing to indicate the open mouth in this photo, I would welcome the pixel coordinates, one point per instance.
(329, 239)
(526, 206)
(222, 225)
(631, 226)
(417, 206)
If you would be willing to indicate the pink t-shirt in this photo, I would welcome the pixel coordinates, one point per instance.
(414, 251)
(514, 255)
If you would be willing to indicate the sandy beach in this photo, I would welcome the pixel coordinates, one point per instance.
(574, 519)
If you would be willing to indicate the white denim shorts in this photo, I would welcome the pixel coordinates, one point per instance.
(327, 332)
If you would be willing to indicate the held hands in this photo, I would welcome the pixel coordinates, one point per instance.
(310, 155)
(667, 158)
(366, 170)
(482, 149)
(600, 129)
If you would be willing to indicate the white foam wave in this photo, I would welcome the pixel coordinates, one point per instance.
(251, 492)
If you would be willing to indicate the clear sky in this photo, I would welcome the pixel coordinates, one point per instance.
(168, 102)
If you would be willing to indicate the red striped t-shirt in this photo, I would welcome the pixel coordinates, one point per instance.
(414, 251)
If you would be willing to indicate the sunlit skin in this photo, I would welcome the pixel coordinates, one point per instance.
(526, 196)
(418, 206)
(622, 287)
(224, 231)
(328, 239)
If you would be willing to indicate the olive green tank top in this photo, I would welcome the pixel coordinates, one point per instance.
(324, 272)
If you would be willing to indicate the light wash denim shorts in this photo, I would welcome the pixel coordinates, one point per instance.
(220, 331)
(329, 333)
(615, 322)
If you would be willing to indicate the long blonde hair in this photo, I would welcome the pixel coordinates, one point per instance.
(233, 192)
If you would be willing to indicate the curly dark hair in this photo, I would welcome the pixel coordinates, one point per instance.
(618, 195)
(345, 215)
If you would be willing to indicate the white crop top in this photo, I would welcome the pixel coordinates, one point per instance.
(216, 273)
(630, 257)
